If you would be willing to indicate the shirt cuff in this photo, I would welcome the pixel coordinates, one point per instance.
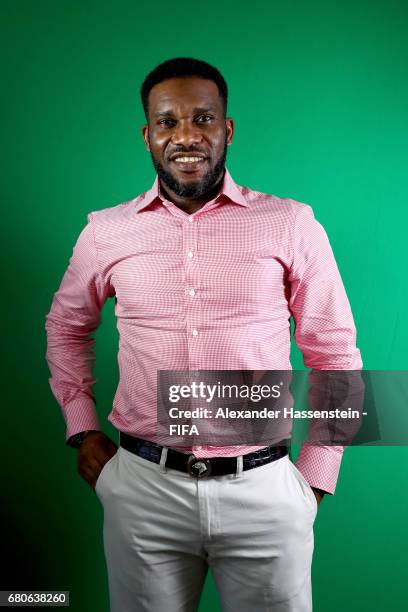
(80, 415)
(320, 465)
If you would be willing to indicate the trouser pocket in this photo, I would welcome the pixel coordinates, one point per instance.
(305, 487)
(103, 472)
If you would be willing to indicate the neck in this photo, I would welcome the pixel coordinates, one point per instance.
(190, 205)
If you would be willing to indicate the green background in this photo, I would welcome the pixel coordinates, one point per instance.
(319, 94)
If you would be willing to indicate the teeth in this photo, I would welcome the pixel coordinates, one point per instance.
(188, 159)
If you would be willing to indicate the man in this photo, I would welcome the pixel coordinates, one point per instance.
(206, 275)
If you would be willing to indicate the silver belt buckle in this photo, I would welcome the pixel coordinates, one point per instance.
(199, 468)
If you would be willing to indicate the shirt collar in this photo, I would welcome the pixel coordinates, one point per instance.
(229, 189)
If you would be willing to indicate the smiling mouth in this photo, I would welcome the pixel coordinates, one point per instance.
(189, 163)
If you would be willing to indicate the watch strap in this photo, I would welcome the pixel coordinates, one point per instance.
(76, 440)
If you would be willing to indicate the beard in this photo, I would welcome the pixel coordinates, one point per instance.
(197, 189)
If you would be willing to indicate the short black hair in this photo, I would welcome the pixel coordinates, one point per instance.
(183, 67)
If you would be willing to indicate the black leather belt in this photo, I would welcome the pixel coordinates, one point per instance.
(195, 466)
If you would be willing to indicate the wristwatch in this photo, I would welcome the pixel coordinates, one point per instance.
(76, 440)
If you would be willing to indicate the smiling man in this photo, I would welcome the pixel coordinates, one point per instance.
(206, 275)
(189, 159)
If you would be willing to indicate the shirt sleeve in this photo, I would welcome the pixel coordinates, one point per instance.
(74, 316)
(324, 330)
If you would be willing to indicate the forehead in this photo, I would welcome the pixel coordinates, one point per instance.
(184, 94)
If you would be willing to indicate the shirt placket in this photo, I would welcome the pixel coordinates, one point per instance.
(192, 287)
(192, 294)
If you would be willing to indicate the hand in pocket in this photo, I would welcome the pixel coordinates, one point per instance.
(94, 452)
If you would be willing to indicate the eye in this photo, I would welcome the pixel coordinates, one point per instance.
(207, 118)
(165, 122)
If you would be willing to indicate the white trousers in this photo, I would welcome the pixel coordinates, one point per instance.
(163, 529)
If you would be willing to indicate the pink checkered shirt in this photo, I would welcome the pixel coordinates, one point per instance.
(213, 290)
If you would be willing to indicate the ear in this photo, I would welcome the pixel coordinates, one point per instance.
(145, 134)
(229, 124)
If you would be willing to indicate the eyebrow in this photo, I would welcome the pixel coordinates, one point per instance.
(196, 110)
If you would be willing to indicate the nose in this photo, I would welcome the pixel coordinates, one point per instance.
(186, 133)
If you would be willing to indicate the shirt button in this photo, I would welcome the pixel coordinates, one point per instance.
(190, 254)
(195, 332)
(191, 292)
(190, 219)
